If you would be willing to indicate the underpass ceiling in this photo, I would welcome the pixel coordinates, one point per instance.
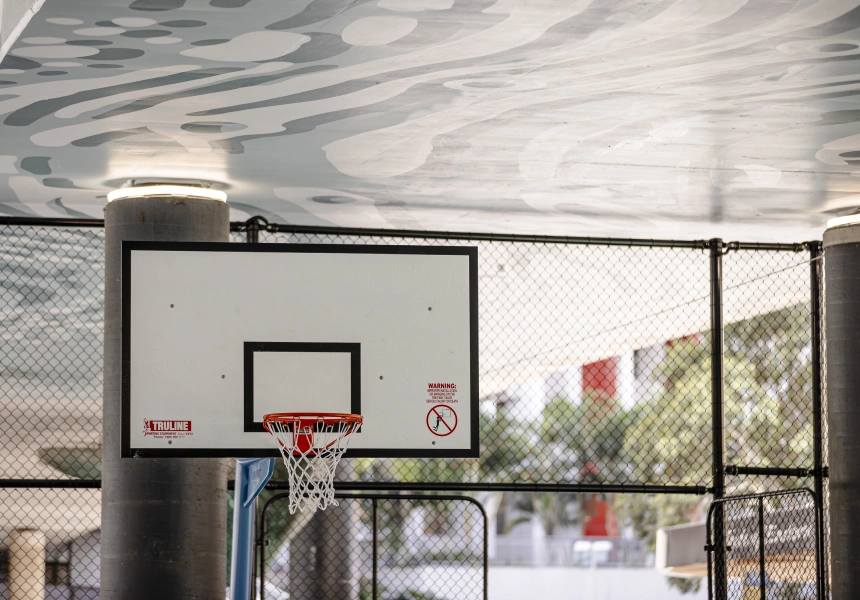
(651, 118)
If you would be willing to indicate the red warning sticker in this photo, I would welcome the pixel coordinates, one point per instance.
(166, 429)
(441, 420)
(442, 393)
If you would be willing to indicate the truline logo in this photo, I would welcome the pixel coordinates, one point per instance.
(166, 429)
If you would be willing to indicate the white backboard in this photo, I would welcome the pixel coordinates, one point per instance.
(217, 335)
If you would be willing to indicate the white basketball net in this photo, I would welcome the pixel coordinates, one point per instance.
(311, 456)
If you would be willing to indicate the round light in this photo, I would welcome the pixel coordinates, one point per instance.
(846, 220)
(145, 191)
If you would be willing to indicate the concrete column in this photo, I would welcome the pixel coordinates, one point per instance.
(842, 298)
(27, 565)
(164, 521)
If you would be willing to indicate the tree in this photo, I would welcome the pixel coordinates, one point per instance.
(589, 434)
(768, 358)
(508, 446)
(768, 418)
(669, 441)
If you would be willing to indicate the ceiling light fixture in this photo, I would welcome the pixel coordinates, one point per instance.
(846, 220)
(145, 191)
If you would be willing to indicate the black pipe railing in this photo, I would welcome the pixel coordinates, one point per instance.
(256, 224)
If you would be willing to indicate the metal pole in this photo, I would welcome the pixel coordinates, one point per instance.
(163, 519)
(709, 551)
(718, 410)
(717, 369)
(262, 542)
(252, 231)
(486, 560)
(761, 572)
(770, 471)
(375, 581)
(821, 574)
(251, 477)
(241, 584)
(815, 291)
(254, 548)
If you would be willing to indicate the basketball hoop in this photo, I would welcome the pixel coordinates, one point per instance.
(311, 445)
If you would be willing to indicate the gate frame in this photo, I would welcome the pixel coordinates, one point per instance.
(716, 549)
(262, 538)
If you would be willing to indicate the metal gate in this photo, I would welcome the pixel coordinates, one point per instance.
(375, 546)
(765, 547)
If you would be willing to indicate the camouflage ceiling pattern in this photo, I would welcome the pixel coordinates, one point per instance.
(642, 118)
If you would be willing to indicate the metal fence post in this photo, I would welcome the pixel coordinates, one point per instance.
(762, 574)
(252, 229)
(718, 409)
(717, 368)
(815, 256)
(375, 582)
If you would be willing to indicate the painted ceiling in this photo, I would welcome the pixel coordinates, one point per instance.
(633, 118)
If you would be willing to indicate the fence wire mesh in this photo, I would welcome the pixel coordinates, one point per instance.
(386, 548)
(764, 547)
(595, 376)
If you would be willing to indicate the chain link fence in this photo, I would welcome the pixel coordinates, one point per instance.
(560, 403)
(596, 377)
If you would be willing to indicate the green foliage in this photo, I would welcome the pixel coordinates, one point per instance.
(508, 444)
(416, 595)
(769, 415)
(668, 441)
(591, 432)
(685, 586)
